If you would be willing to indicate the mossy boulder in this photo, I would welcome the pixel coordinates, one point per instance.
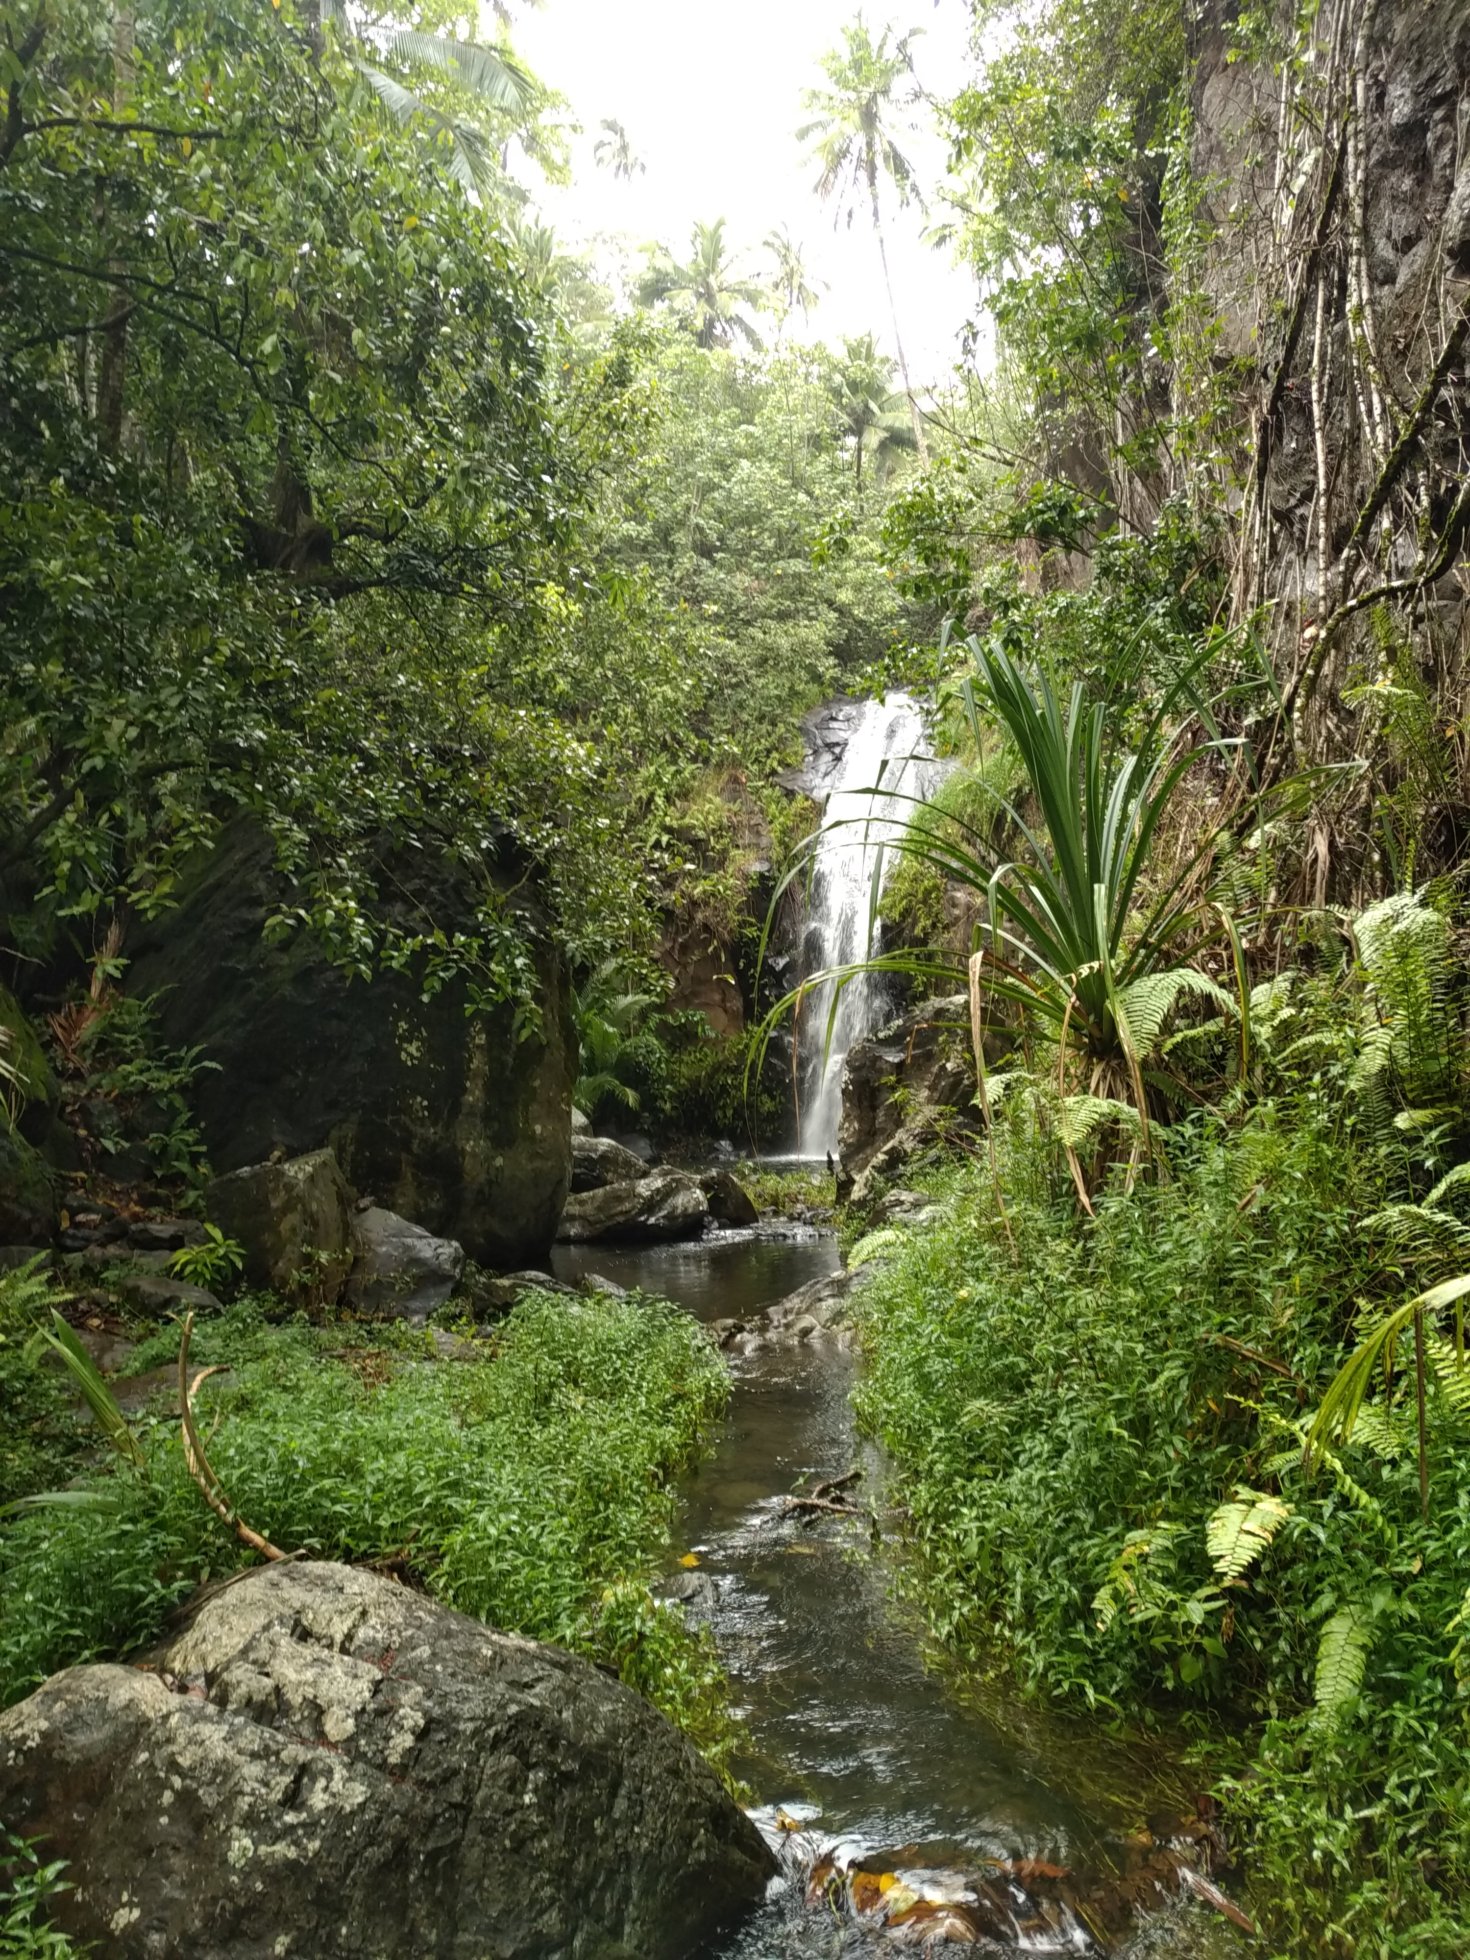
(458, 1121)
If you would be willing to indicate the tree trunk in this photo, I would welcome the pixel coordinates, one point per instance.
(112, 368)
(903, 366)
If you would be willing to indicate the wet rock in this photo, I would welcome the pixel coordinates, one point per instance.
(728, 1199)
(329, 1764)
(398, 1269)
(597, 1161)
(666, 1204)
(294, 1221)
(901, 1087)
(823, 1303)
(599, 1284)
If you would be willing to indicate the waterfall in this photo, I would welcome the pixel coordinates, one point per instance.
(888, 747)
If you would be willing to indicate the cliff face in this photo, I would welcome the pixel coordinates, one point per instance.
(1336, 213)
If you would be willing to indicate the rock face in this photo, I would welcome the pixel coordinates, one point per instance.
(900, 1085)
(293, 1220)
(598, 1160)
(327, 1764)
(663, 1204)
(449, 1118)
(398, 1268)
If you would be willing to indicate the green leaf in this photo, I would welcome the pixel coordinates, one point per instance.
(1239, 1531)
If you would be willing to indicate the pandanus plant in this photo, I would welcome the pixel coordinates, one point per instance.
(1084, 935)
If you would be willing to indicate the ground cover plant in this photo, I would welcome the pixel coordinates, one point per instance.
(1101, 1429)
(529, 1488)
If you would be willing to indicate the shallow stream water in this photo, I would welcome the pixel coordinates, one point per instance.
(855, 1738)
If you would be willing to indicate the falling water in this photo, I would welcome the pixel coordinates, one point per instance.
(886, 762)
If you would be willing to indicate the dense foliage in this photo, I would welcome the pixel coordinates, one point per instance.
(527, 1487)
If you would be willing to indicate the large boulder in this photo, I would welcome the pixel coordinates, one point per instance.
(664, 1204)
(728, 1200)
(904, 1085)
(398, 1268)
(460, 1120)
(327, 1764)
(294, 1220)
(599, 1160)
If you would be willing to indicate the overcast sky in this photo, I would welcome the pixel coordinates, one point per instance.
(710, 94)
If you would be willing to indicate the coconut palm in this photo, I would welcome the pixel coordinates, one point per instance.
(789, 285)
(613, 151)
(873, 415)
(855, 151)
(489, 74)
(705, 289)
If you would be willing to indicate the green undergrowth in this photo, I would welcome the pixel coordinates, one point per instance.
(1072, 1402)
(529, 1489)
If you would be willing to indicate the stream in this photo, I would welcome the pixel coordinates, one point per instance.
(860, 1751)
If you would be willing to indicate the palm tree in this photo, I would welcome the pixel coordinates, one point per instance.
(861, 387)
(789, 285)
(490, 74)
(705, 289)
(615, 152)
(855, 151)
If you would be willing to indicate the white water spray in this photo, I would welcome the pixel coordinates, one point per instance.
(886, 762)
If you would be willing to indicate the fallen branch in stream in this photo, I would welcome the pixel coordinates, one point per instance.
(830, 1486)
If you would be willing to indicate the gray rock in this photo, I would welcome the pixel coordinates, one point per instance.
(824, 1302)
(12, 1257)
(326, 1764)
(598, 1284)
(399, 1269)
(581, 1123)
(728, 1199)
(157, 1295)
(597, 1161)
(459, 1120)
(488, 1295)
(666, 1204)
(903, 1207)
(164, 1234)
(294, 1221)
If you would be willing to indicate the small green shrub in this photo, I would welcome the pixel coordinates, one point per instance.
(518, 1488)
(42, 1437)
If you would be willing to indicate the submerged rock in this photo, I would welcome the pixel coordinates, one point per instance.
(399, 1269)
(327, 1764)
(294, 1221)
(666, 1204)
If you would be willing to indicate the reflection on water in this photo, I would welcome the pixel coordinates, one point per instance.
(851, 1735)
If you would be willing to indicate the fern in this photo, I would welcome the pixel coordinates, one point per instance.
(872, 1243)
(1342, 1659)
(1240, 1531)
(1413, 1040)
(1079, 1118)
(1143, 1006)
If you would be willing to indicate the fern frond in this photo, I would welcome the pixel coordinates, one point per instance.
(1342, 1658)
(1079, 1118)
(1455, 1181)
(1145, 1004)
(1239, 1531)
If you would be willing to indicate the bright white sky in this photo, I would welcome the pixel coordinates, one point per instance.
(710, 94)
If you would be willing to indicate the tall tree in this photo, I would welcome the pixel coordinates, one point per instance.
(706, 288)
(614, 151)
(854, 148)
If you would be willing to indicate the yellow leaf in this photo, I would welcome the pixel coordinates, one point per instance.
(187, 147)
(689, 1561)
